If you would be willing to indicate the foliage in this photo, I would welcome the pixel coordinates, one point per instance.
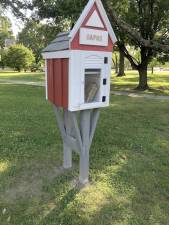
(145, 25)
(59, 10)
(17, 6)
(115, 60)
(19, 57)
(154, 62)
(37, 67)
(5, 30)
(128, 167)
(36, 36)
(140, 23)
(3, 53)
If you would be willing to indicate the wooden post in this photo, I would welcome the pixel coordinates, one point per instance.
(67, 151)
(84, 154)
(77, 138)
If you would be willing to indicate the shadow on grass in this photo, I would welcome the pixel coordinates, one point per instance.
(56, 214)
(161, 90)
(158, 83)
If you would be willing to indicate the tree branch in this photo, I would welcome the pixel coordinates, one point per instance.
(131, 59)
(134, 34)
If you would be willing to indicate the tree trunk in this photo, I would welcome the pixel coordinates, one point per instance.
(121, 65)
(143, 85)
(115, 62)
(116, 68)
(152, 70)
(116, 65)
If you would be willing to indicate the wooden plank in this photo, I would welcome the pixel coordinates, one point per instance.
(76, 130)
(57, 82)
(67, 151)
(85, 118)
(60, 122)
(65, 71)
(93, 123)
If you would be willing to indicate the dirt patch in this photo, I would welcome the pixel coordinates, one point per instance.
(29, 184)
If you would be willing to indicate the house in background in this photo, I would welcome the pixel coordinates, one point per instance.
(9, 42)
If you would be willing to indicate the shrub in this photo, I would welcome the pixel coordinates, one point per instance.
(19, 57)
(3, 54)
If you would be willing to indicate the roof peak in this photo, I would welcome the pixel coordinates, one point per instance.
(84, 14)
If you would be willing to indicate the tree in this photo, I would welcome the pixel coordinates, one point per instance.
(154, 62)
(5, 30)
(121, 64)
(121, 7)
(19, 57)
(17, 6)
(36, 36)
(3, 53)
(144, 23)
(115, 59)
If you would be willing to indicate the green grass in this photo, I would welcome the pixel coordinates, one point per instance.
(129, 164)
(28, 76)
(159, 82)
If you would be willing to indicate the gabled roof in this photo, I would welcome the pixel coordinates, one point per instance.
(84, 15)
(60, 43)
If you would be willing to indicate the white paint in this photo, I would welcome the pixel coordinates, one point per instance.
(81, 19)
(79, 60)
(74, 81)
(56, 55)
(84, 15)
(95, 21)
(93, 37)
(46, 79)
(106, 21)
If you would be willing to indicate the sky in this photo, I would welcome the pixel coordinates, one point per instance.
(17, 24)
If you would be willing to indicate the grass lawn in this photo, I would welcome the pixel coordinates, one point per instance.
(28, 76)
(129, 164)
(159, 82)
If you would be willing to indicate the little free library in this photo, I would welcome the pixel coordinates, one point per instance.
(78, 71)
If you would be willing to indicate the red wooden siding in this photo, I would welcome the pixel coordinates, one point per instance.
(65, 69)
(57, 70)
(75, 42)
(57, 75)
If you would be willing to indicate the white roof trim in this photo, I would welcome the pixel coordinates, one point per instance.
(85, 13)
(106, 20)
(81, 18)
(56, 55)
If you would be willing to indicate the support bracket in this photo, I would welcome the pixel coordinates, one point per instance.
(77, 131)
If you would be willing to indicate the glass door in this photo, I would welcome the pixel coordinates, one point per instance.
(92, 89)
